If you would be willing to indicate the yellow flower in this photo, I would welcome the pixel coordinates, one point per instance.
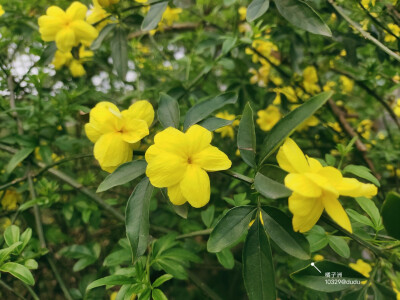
(96, 14)
(169, 16)
(310, 80)
(276, 80)
(396, 291)
(366, 3)
(106, 3)
(242, 13)
(266, 48)
(1, 10)
(227, 130)
(347, 84)
(364, 128)
(67, 28)
(10, 200)
(329, 86)
(335, 126)
(343, 52)
(316, 188)
(180, 161)
(75, 66)
(116, 133)
(141, 1)
(260, 77)
(361, 267)
(318, 257)
(288, 91)
(268, 117)
(396, 31)
(397, 108)
(333, 17)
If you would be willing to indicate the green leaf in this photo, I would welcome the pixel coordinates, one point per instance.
(256, 9)
(246, 138)
(228, 45)
(355, 295)
(317, 238)
(287, 125)
(17, 158)
(301, 15)
(339, 245)
(31, 264)
(269, 188)
(137, 217)
(391, 213)
(207, 216)
(123, 174)
(119, 51)
(160, 280)
(19, 271)
(359, 218)
(157, 294)
(110, 280)
(203, 109)
(154, 16)
(102, 35)
(168, 111)
(11, 235)
(226, 259)
(48, 54)
(4, 253)
(279, 228)
(258, 268)
(230, 228)
(25, 238)
(311, 278)
(370, 208)
(83, 263)
(214, 123)
(383, 292)
(362, 172)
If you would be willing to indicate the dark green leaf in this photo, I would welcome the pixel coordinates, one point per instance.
(119, 51)
(123, 174)
(355, 295)
(246, 138)
(362, 172)
(17, 158)
(137, 217)
(226, 259)
(203, 109)
(279, 228)
(391, 213)
(230, 228)
(269, 188)
(214, 123)
(102, 35)
(168, 111)
(110, 280)
(311, 278)
(258, 269)
(207, 216)
(339, 245)
(154, 16)
(290, 122)
(19, 271)
(317, 238)
(359, 218)
(48, 54)
(256, 9)
(383, 292)
(370, 208)
(301, 15)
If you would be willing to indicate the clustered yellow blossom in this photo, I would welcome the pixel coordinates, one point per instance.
(10, 200)
(347, 84)
(180, 162)
(96, 14)
(242, 13)
(316, 188)
(266, 49)
(329, 86)
(364, 128)
(395, 29)
(267, 118)
(260, 76)
(116, 134)
(310, 80)
(229, 129)
(288, 91)
(361, 267)
(75, 65)
(367, 3)
(169, 16)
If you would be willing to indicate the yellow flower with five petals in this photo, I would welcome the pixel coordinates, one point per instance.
(180, 162)
(316, 188)
(115, 133)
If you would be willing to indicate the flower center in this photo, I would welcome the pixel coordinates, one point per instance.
(189, 160)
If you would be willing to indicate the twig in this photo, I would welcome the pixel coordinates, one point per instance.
(363, 32)
(238, 176)
(174, 27)
(10, 81)
(9, 288)
(59, 279)
(195, 233)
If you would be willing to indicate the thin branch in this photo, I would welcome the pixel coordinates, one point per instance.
(195, 233)
(10, 81)
(9, 288)
(363, 32)
(238, 176)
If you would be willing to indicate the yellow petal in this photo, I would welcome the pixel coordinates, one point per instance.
(198, 138)
(164, 169)
(49, 26)
(65, 39)
(175, 195)
(291, 158)
(55, 11)
(314, 164)
(302, 221)
(195, 186)
(301, 206)
(335, 211)
(141, 110)
(172, 140)
(302, 185)
(353, 188)
(76, 68)
(111, 151)
(84, 32)
(211, 159)
(76, 11)
(134, 130)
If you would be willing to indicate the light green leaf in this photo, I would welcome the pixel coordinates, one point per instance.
(17, 158)
(157, 294)
(226, 259)
(256, 9)
(11, 235)
(370, 208)
(290, 122)
(160, 280)
(203, 109)
(137, 217)
(362, 172)
(31, 264)
(230, 228)
(123, 174)
(110, 280)
(246, 138)
(359, 218)
(168, 111)
(339, 245)
(4, 253)
(19, 271)
(258, 268)
(301, 15)
(154, 16)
